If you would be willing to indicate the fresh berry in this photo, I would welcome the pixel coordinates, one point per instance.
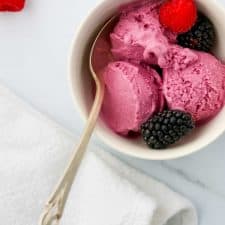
(12, 5)
(201, 37)
(178, 15)
(166, 128)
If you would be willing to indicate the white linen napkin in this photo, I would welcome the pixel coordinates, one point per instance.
(33, 154)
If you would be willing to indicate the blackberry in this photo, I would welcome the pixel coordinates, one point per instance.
(166, 128)
(201, 37)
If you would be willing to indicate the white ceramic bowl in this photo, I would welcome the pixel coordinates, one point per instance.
(81, 85)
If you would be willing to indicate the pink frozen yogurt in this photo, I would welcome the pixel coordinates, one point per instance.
(133, 94)
(197, 88)
(139, 36)
(193, 81)
(177, 58)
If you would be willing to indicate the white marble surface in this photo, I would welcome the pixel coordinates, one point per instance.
(34, 47)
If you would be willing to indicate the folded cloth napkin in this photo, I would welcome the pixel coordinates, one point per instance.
(33, 153)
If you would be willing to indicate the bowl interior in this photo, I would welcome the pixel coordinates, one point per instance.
(81, 84)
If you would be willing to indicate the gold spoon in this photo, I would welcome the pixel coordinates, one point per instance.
(99, 57)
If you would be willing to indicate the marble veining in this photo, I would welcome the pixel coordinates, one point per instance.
(192, 179)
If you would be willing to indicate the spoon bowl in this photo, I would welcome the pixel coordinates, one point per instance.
(100, 54)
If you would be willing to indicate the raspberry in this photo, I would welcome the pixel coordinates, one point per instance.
(178, 15)
(12, 5)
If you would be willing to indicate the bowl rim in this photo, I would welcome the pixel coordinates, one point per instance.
(147, 156)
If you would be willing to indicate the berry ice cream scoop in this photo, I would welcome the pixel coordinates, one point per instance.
(177, 58)
(198, 88)
(132, 95)
(139, 36)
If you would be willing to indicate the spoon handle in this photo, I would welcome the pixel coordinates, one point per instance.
(56, 203)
